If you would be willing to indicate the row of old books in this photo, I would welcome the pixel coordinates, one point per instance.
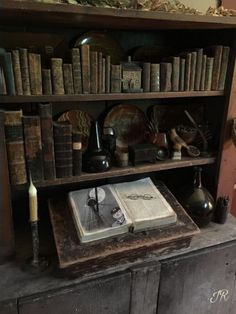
(39, 147)
(90, 72)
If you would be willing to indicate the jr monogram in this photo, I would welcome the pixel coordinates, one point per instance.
(220, 295)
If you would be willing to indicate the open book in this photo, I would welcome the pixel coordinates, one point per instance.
(114, 209)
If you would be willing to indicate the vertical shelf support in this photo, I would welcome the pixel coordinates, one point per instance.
(6, 222)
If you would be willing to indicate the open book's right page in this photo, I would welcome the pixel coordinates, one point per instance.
(145, 204)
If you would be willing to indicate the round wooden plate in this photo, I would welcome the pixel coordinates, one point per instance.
(80, 121)
(129, 124)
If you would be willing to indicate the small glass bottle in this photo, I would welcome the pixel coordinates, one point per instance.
(197, 200)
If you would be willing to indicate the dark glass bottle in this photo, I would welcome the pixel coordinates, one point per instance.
(197, 200)
(96, 159)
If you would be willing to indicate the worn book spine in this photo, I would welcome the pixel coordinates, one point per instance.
(146, 76)
(25, 76)
(223, 67)
(6, 63)
(175, 73)
(209, 72)
(94, 71)
(45, 113)
(187, 72)
(216, 67)
(17, 71)
(3, 88)
(57, 76)
(15, 147)
(108, 74)
(103, 75)
(85, 58)
(68, 78)
(77, 152)
(203, 73)
(100, 72)
(155, 77)
(33, 147)
(47, 81)
(193, 70)
(182, 74)
(35, 73)
(198, 72)
(63, 148)
(166, 72)
(115, 78)
(76, 68)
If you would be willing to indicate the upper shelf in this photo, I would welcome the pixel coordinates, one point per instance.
(110, 96)
(15, 13)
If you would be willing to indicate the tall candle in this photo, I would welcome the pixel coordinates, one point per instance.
(33, 202)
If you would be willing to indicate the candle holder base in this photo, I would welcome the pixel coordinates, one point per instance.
(36, 266)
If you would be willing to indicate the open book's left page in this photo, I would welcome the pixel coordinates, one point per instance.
(98, 213)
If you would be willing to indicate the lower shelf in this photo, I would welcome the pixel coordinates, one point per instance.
(116, 249)
(126, 171)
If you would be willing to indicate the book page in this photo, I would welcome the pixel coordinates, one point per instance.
(145, 203)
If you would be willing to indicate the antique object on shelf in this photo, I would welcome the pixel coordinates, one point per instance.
(187, 133)
(197, 200)
(109, 140)
(80, 121)
(142, 153)
(129, 123)
(95, 158)
(101, 41)
(221, 210)
(131, 77)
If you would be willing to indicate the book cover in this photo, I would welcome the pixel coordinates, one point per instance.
(166, 73)
(115, 78)
(57, 76)
(103, 75)
(85, 61)
(114, 209)
(76, 69)
(100, 72)
(209, 73)
(198, 72)
(215, 52)
(17, 71)
(25, 71)
(203, 73)
(193, 70)
(6, 64)
(182, 74)
(146, 76)
(3, 88)
(68, 78)
(15, 147)
(175, 73)
(45, 113)
(108, 74)
(34, 60)
(155, 77)
(33, 147)
(187, 71)
(94, 71)
(223, 67)
(47, 81)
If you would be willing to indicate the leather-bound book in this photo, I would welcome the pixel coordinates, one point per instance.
(115, 78)
(193, 70)
(108, 74)
(25, 71)
(76, 69)
(100, 72)
(182, 74)
(77, 152)
(103, 75)
(216, 53)
(155, 77)
(187, 72)
(175, 73)
(57, 76)
(3, 88)
(209, 73)
(6, 63)
(198, 72)
(45, 113)
(223, 67)
(63, 148)
(17, 71)
(33, 147)
(85, 57)
(47, 81)
(166, 72)
(35, 73)
(94, 71)
(68, 78)
(203, 73)
(15, 147)
(146, 76)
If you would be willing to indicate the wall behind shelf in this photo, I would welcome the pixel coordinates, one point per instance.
(201, 5)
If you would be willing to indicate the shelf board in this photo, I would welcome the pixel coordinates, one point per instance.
(122, 172)
(26, 13)
(111, 96)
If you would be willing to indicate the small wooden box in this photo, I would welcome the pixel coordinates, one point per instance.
(142, 153)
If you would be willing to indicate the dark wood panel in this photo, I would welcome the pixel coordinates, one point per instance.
(113, 96)
(121, 172)
(8, 307)
(26, 13)
(145, 283)
(102, 296)
(199, 283)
